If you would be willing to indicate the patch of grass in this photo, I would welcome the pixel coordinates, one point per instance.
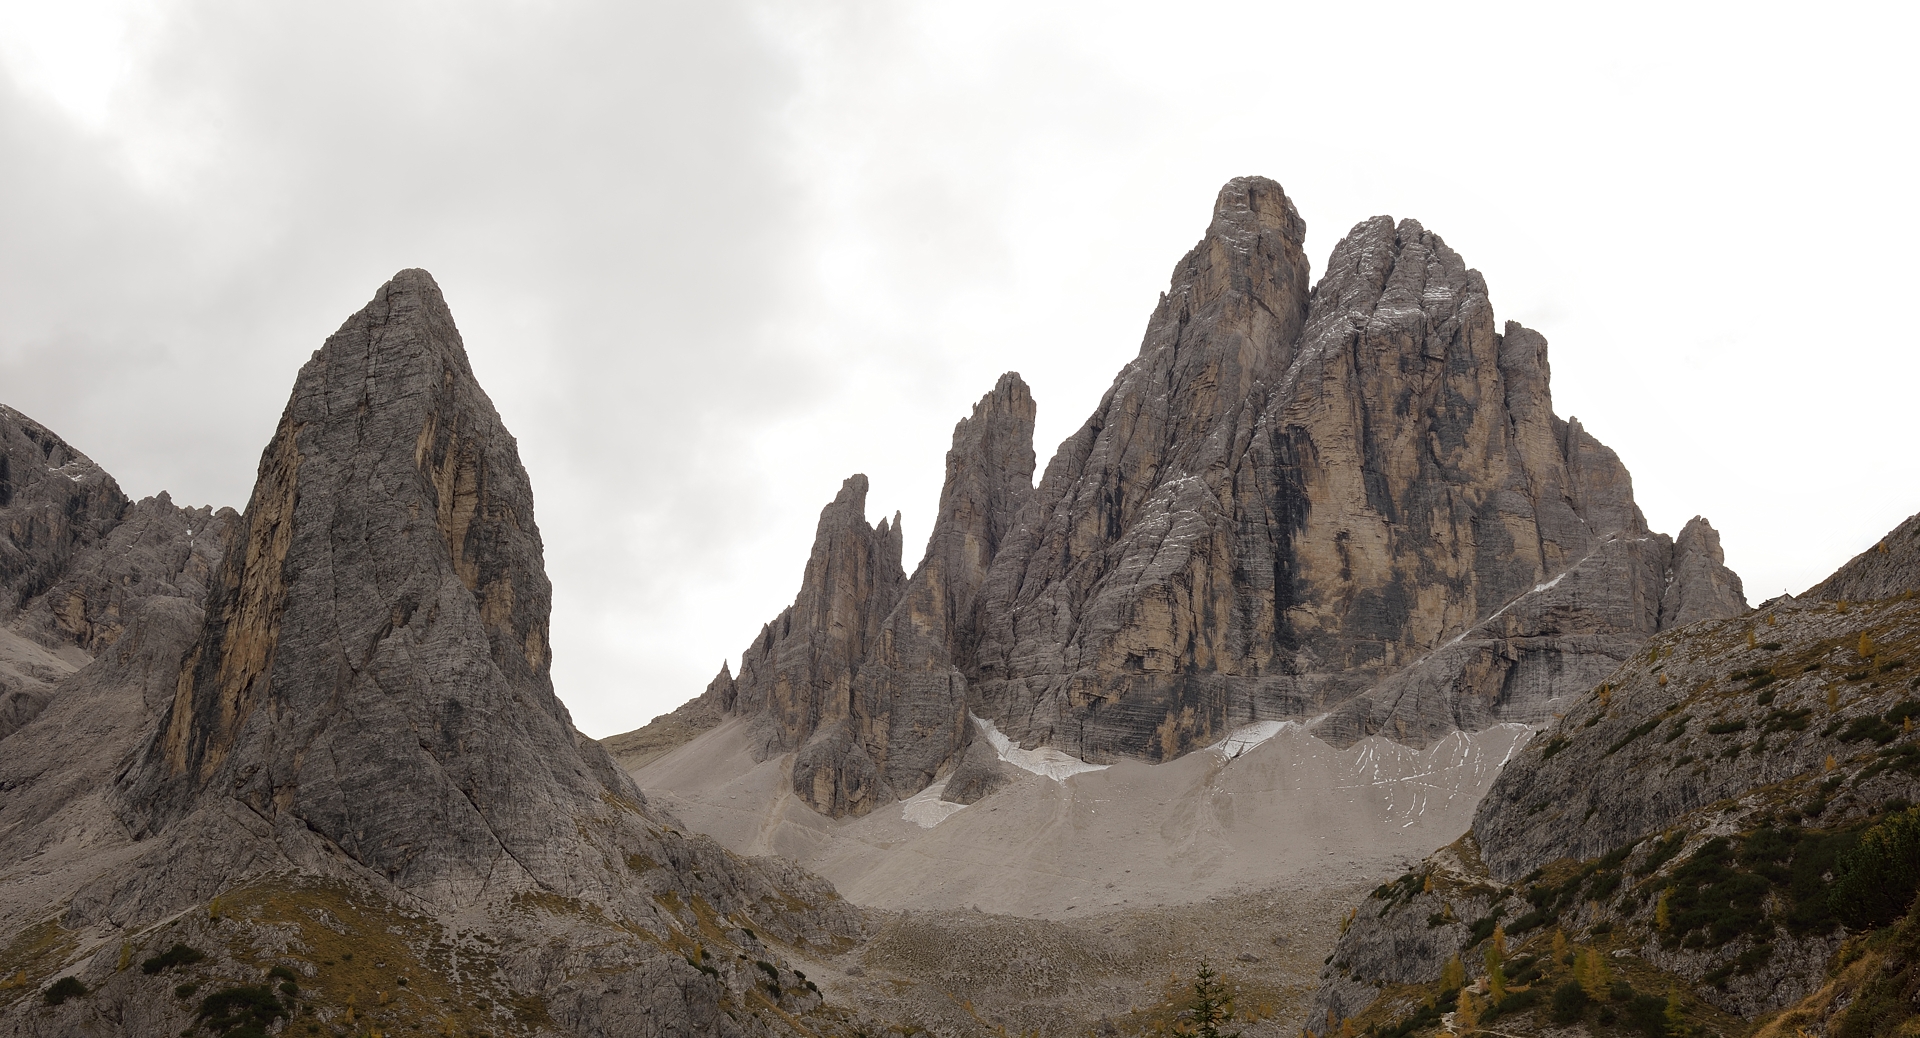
(1726, 727)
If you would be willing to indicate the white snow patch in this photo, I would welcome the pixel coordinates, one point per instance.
(1046, 760)
(1246, 737)
(925, 808)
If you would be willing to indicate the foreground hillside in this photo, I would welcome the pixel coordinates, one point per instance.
(1720, 837)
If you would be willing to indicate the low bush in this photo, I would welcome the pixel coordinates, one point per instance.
(1875, 880)
(178, 955)
(1569, 1002)
(246, 1011)
(63, 989)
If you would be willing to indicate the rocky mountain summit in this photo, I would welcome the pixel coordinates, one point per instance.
(1724, 824)
(1349, 503)
(337, 736)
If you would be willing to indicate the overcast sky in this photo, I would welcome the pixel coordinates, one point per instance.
(710, 258)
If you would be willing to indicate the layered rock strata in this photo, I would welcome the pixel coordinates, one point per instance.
(1351, 500)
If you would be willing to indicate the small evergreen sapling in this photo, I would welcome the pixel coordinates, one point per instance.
(1211, 1005)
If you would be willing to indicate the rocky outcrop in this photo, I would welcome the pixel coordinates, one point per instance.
(908, 715)
(1699, 584)
(1687, 819)
(1891, 567)
(861, 677)
(157, 550)
(663, 734)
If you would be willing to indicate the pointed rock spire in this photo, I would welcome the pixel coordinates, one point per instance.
(374, 667)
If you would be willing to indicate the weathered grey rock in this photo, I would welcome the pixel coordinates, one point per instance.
(1891, 567)
(1700, 586)
(669, 731)
(157, 549)
(1795, 715)
(78, 560)
(53, 501)
(979, 773)
(862, 677)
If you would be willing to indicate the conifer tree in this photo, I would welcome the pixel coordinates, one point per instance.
(1212, 1005)
(1467, 1017)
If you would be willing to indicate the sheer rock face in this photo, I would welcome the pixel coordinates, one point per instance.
(374, 663)
(1354, 501)
(54, 502)
(798, 675)
(157, 550)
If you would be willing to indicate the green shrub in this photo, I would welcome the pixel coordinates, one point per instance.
(63, 989)
(1647, 1014)
(178, 955)
(1874, 881)
(1516, 1002)
(1483, 927)
(1633, 733)
(241, 1012)
(1788, 720)
(1869, 727)
(1569, 1002)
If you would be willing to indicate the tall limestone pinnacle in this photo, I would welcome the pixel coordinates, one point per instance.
(1350, 501)
(362, 717)
(383, 616)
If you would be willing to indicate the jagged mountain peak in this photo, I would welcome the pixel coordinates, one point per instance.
(1350, 499)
